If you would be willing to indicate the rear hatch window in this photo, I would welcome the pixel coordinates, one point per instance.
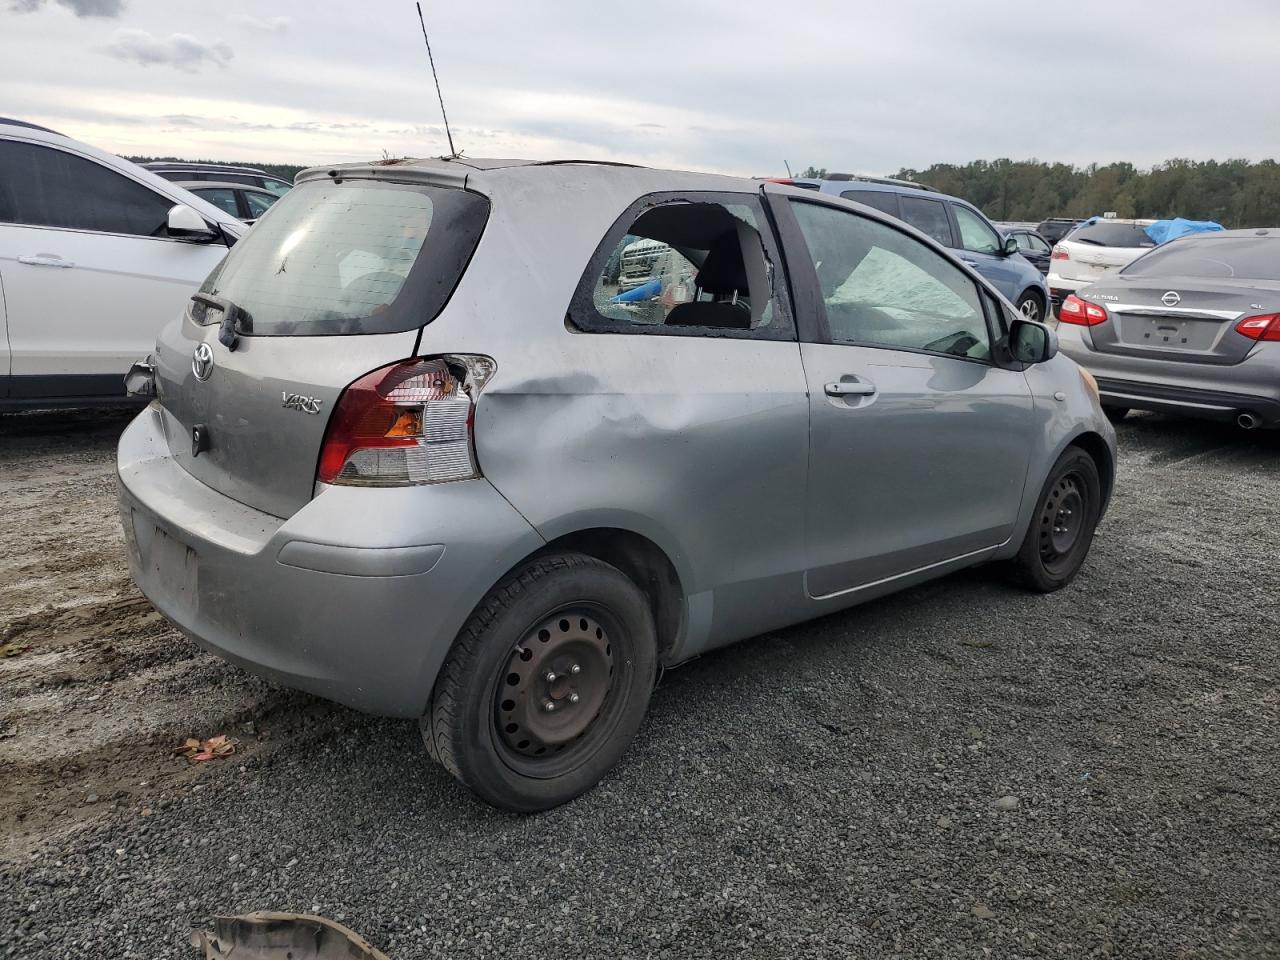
(1221, 258)
(1105, 234)
(348, 257)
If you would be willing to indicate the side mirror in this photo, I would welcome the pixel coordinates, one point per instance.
(185, 224)
(1010, 246)
(1032, 342)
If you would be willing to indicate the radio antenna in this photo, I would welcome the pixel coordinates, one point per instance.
(435, 76)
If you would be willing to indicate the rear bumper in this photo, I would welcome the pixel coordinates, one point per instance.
(356, 598)
(1209, 391)
(1061, 287)
(1208, 404)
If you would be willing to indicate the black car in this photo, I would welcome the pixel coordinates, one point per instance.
(1055, 228)
(1033, 247)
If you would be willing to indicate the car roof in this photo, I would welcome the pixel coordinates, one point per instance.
(10, 122)
(505, 174)
(196, 166)
(194, 185)
(1270, 233)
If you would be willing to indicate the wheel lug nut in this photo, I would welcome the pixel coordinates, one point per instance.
(575, 669)
(573, 698)
(549, 706)
(550, 677)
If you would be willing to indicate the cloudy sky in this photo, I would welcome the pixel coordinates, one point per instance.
(739, 87)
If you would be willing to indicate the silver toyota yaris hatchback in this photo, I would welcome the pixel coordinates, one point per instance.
(489, 443)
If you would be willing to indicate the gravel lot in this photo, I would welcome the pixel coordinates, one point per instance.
(828, 790)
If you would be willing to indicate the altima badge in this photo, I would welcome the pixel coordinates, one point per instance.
(296, 401)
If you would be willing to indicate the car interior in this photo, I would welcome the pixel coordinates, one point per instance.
(713, 272)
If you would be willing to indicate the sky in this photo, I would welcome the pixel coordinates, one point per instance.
(742, 88)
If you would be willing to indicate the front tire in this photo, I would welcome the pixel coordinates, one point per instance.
(1031, 307)
(1063, 525)
(1114, 414)
(546, 685)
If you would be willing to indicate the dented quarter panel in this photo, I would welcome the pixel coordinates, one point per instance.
(698, 444)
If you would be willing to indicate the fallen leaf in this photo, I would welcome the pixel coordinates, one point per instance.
(202, 751)
(12, 649)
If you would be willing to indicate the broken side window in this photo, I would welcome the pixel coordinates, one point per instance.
(686, 265)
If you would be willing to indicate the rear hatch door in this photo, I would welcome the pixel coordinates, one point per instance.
(1192, 320)
(1100, 249)
(334, 281)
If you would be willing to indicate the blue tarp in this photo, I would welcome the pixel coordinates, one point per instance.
(642, 292)
(1162, 231)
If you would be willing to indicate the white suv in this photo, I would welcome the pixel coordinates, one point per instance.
(96, 254)
(1093, 251)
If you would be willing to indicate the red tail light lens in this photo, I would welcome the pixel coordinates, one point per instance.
(1060, 253)
(405, 424)
(1265, 326)
(1081, 312)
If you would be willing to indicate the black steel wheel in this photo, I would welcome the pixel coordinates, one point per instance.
(1062, 527)
(546, 684)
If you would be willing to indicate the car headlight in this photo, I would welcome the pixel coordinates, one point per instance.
(1090, 384)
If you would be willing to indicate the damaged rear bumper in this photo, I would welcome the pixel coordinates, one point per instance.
(356, 598)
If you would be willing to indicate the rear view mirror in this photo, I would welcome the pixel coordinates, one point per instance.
(185, 224)
(1032, 342)
(1010, 246)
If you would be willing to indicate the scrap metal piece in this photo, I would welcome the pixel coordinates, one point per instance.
(270, 935)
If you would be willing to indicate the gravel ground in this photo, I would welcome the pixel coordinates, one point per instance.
(962, 770)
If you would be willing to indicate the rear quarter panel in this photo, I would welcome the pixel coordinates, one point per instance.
(698, 444)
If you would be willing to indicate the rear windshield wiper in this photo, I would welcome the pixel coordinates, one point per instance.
(1096, 243)
(235, 320)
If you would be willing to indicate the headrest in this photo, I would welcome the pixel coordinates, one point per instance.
(723, 272)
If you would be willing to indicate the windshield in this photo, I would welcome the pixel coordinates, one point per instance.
(350, 257)
(1221, 258)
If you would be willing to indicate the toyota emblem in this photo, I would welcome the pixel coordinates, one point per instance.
(1171, 298)
(202, 362)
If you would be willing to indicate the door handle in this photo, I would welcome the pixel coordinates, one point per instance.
(850, 388)
(46, 260)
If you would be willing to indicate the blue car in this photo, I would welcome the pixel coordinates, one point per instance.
(953, 223)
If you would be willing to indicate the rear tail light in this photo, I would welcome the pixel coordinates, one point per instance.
(404, 424)
(1265, 326)
(1081, 312)
(1060, 253)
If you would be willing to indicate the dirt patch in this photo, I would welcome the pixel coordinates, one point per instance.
(96, 688)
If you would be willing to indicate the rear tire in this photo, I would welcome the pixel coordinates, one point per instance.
(569, 617)
(1062, 527)
(1031, 307)
(1115, 414)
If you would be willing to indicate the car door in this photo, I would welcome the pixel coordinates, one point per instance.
(1033, 247)
(982, 248)
(929, 216)
(918, 441)
(4, 339)
(256, 203)
(90, 275)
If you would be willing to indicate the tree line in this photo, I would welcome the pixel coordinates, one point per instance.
(1236, 193)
